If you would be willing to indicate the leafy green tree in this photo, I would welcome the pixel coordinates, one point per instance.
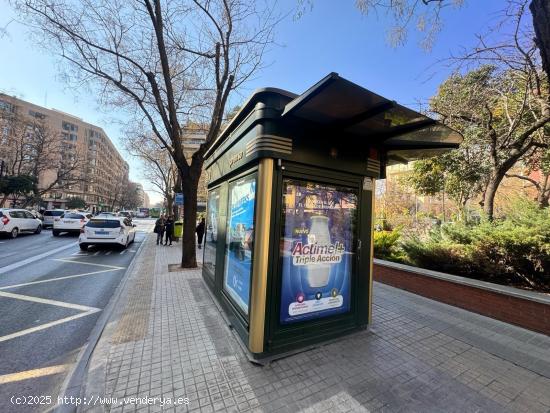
(76, 203)
(15, 186)
(459, 173)
(501, 112)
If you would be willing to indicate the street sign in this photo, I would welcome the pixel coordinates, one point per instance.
(179, 199)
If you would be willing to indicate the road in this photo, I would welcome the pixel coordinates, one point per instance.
(51, 296)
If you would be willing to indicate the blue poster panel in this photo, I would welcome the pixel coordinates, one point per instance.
(240, 241)
(317, 250)
(211, 233)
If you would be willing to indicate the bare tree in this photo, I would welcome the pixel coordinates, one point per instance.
(158, 167)
(163, 61)
(32, 148)
(130, 199)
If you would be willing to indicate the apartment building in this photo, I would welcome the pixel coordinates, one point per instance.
(101, 172)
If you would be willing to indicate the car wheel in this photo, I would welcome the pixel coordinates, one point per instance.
(38, 229)
(83, 247)
(14, 233)
(55, 233)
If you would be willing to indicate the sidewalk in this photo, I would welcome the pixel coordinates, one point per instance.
(167, 339)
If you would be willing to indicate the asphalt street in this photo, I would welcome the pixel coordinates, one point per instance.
(51, 296)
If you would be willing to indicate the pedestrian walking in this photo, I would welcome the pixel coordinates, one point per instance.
(159, 229)
(169, 229)
(200, 232)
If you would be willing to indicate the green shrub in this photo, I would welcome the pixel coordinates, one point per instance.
(433, 254)
(385, 243)
(514, 250)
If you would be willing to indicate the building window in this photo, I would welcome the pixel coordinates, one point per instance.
(7, 106)
(36, 115)
(69, 126)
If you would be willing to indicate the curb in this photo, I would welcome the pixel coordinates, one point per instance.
(72, 386)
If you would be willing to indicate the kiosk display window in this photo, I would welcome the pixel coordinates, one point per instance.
(240, 241)
(317, 250)
(211, 233)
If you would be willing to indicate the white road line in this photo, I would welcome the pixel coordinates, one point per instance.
(34, 258)
(68, 259)
(108, 253)
(34, 373)
(48, 301)
(47, 325)
(122, 252)
(58, 279)
(96, 253)
(132, 250)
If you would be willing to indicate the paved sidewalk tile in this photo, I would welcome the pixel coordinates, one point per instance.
(167, 340)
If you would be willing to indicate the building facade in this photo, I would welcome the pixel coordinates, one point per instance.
(100, 173)
(194, 135)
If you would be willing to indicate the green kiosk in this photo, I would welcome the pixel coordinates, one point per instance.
(288, 250)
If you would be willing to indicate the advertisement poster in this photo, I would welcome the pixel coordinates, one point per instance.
(240, 241)
(211, 233)
(317, 250)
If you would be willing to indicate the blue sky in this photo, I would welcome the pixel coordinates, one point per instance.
(332, 37)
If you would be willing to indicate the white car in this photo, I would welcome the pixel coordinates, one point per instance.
(16, 221)
(107, 230)
(52, 215)
(71, 222)
(106, 215)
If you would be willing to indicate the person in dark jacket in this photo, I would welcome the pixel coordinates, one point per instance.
(200, 232)
(169, 229)
(159, 229)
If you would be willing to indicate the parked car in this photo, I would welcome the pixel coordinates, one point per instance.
(107, 230)
(51, 215)
(107, 214)
(71, 222)
(15, 221)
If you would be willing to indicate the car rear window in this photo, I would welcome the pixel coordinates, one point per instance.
(53, 213)
(73, 216)
(103, 223)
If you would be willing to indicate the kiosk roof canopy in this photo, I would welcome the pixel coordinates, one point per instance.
(351, 111)
(339, 104)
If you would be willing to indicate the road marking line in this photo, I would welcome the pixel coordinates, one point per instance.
(122, 252)
(57, 279)
(108, 253)
(48, 325)
(132, 250)
(87, 263)
(48, 301)
(35, 258)
(32, 374)
(96, 253)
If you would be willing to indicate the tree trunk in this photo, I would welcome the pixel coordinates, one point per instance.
(540, 9)
(169, 203)
(188, 244)
(4, 200)
(490, 193)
